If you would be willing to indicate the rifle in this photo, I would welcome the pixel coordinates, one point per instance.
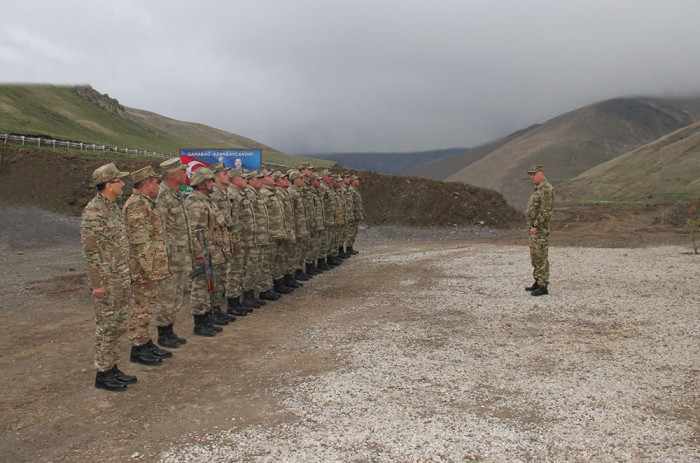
(206, 269)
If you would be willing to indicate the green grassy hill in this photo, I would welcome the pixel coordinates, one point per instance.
(83, 114)
(666, 169)
(572, 143)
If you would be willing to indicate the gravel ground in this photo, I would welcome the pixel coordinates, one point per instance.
(450, 360)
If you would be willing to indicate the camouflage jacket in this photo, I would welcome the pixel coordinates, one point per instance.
(339, 215)
(205, 214)
(308, 194)
(301, 223)
(148, 256)
(261, 222)
(349, 206)
(242, 216)
(275, 212)
(319, 210)
(173, 213)
(288, 216)
(539, 206)
(358, 208)
(105, 244)
(328, 199)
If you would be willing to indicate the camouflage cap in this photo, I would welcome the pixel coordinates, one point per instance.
(171, 165)
(293, 174)
(106, 173)
(237, 172)
(277, 174)
(218, 167)
(536, 168)
(200, 175)
(324, 173)
(142, 174)
(305, 165)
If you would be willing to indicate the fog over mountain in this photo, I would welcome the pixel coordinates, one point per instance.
(360, 75)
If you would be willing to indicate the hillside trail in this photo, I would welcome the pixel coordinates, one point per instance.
(52, 412)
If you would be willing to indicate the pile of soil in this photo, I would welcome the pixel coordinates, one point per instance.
(59, 182)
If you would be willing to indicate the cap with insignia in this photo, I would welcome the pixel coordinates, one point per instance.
(104, 174)
(200, 175)
(142, 174)
(536, 168)
(218, 167)
(171, 165)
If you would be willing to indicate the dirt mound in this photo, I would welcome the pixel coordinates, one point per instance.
(59, 182)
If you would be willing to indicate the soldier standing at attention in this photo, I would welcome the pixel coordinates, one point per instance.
(203, 213)
(106, 253)
(539, 213)
(148, 263)
(171, 290)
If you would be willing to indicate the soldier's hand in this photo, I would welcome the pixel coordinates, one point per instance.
(533, 230)
(199, 256)
(99, 292)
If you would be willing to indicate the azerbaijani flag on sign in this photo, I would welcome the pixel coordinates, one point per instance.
(194, 159)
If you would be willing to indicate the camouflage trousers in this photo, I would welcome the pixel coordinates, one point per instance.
(144, 304)
(539, 256)
(111, 312)
(320, 244)
(352, 233)
(250, 262)
(234, 274)
(263, 274)
(200, 299)
(171, 290)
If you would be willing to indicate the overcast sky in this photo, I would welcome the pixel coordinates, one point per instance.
(357, 75)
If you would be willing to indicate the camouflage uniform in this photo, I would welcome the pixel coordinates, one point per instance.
(301, 228)
(261, 273)
(245, 236)
(277, 229)
(358, 212)
(106, 253)
(148, 261)
(228, 280)
(171, 290)
(205, 214)
(289, 249)
(539, 213)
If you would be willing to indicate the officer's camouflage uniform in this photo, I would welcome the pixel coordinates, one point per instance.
(321, 228)
(246, 236)
(227, 281)
(203, 213)
(358, 212)
(148, 261)
(171, 290)
(539, 213)
(289, 249)
(328, 199)
(277, 230)
(106, 253)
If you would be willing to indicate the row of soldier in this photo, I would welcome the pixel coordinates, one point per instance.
(264, 231)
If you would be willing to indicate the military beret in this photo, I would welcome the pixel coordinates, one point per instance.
(200, 175)
(171, 165)
(536, 168)
(106, 173)
(142, 174)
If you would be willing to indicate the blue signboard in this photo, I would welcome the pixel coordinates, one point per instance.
(248, 159)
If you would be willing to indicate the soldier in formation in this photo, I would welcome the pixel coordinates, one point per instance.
(264, 232)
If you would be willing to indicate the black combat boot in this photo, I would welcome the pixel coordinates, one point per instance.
(311, 270)
(269, 295)
(290, 282)
(157, 351)
(534, 286)
(217, 317)
(235, 308)
(322, 266)
(142, 354)
(249, 298)
(165, 339)
(123, 377)
(540, 291)
(300, 275)
(351, 251)
(280, 287)
(201, 327)
(172, 334)
(107, 380)
(342, 254)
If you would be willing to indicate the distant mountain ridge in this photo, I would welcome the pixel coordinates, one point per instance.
(390, 163)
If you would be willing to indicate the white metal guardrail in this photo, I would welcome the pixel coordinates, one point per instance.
(25, 140)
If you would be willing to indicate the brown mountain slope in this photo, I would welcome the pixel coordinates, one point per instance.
(444, 168)
(666, 169)
(58, 181)
(573, 143)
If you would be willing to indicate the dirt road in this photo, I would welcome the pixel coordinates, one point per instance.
(230, 398)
